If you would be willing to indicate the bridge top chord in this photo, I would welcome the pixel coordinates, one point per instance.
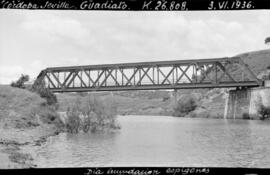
(145, 64)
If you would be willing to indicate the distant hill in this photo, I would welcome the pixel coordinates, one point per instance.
(213, 103)
(258, 61)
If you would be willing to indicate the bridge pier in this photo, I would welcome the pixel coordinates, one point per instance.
(174, 96)
(244, 102)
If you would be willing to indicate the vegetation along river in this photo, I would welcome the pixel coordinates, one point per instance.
(163, 141)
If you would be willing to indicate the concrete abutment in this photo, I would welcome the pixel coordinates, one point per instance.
(243, 103)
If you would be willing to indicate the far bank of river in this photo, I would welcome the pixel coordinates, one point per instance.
(161, 141)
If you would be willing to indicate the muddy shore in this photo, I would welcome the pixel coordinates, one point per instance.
(13, 141)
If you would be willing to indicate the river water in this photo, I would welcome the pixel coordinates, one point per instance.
(163, 141)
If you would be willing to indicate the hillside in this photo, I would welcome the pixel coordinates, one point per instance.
(213, 103)
(25, 119)
(258, 61)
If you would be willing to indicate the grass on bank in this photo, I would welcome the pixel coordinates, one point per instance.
(21, 108)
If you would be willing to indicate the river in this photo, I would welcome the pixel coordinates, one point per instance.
(163, 141)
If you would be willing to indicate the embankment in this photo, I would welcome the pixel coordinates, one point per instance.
(25, 119)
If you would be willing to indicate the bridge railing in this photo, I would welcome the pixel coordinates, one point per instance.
(204, 73)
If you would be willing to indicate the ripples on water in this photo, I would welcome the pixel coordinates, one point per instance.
(164, 141)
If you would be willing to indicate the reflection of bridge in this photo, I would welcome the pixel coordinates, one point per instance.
(180, 74)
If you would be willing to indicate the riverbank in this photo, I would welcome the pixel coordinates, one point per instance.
(27, 121)
(23, 122)
(12, 142)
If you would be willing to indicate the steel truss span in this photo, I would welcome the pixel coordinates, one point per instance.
(179, 74)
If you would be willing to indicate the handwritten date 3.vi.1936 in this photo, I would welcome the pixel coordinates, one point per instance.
(230, 5)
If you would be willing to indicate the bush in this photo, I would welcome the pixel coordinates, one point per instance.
(264, 111)
(90, 115)
(165, 98)
(82, 94)
(246, 116)
(184, 106)
(20, 82)
(48, 114)
(39, 87)
(73, 119)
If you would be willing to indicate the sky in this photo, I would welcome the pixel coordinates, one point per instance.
(34, 40)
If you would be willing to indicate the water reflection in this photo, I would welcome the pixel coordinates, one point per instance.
(163, 141)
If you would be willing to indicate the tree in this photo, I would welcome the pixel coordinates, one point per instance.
(264, 111)
(39, 87)
(185, 105)
(267, 40)
(20, 82)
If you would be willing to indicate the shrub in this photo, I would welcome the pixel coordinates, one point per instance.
(48, 114)
(82, 94)
(91, 115)
(20, 82)
(264, 111)
(184, 106)
(39, 87)
(73, 119)
(246, 116)
(165, 98)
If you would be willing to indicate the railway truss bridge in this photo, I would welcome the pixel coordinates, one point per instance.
(178, 74)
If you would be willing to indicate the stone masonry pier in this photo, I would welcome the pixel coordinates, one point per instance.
(246, 101)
